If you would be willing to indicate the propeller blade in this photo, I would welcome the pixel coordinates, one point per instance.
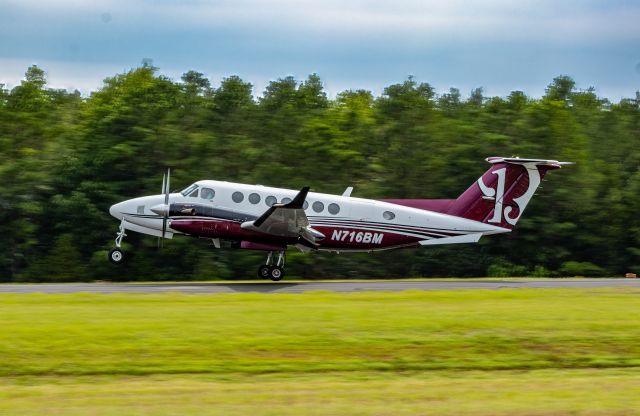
(164, 230)
(163, 183)
(166, 192)
(166, 189)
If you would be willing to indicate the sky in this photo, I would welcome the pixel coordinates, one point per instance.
(498, 45)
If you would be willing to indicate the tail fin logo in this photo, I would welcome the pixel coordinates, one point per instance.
(495, 194)
(498, 194)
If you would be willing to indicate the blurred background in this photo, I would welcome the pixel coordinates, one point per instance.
(87, 121)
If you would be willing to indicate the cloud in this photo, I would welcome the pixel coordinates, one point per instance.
(571, 21)
(497, 44)
(487, 19)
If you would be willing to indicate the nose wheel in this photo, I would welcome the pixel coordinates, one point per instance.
(272, 271)
(116, 255)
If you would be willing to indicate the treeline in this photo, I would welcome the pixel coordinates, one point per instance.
(65, 158)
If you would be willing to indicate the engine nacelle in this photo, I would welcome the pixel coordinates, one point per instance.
(251, 245)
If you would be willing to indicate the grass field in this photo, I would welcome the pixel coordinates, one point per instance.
(480, 352)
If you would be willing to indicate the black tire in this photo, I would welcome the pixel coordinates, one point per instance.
(264, 272)
(116, 256)
(276, 273)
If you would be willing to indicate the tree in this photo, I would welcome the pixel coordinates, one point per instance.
(450, 101)
(560, 89)
(476, 98)
(30, 94)
(233, 94)
(311, 93)
(64, 159)
(196, 83)
(280, 93)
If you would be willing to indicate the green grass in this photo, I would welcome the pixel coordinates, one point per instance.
(407, 279)
(557, 351)
(538, 392)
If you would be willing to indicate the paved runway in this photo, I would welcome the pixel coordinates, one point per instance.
(300, 287)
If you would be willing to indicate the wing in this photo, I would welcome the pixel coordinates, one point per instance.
(287, 220)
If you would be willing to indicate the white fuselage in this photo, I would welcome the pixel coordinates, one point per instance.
(348, 223)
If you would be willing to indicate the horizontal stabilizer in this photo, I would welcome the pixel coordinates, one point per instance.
(458, 239)
(520, 161)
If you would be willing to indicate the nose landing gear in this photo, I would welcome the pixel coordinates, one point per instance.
(271, 271)
(116, 255)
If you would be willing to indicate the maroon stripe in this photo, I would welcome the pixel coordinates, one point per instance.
(414, 234)
(348, 223)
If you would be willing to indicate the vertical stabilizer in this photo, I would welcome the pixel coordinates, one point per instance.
(500, 196)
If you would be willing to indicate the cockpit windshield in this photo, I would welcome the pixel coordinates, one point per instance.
(188, 190)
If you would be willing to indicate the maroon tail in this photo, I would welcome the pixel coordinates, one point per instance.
(498, 197)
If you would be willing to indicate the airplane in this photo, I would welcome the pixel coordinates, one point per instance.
(256, 217)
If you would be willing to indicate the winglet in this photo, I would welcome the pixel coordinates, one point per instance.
(298, 201)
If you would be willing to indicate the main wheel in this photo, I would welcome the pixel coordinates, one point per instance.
(264, 271)
(116, 256)
(276, 273)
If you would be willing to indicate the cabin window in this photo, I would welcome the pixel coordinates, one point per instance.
(270, 200)
(207, 193)
(305, 205)
(333, 209)
(318, 206)
(286, 200)
(187, 190)
(140, 209)
(194, 194)
(237, 197)
(254, 198)
(388, 215)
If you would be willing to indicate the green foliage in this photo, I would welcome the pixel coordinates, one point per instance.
(64, 159)
(506, 269)
(63, 263)
(561, 88)
(581, 268)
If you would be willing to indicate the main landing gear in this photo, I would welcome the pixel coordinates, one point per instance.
(271, 271)
(116, 255)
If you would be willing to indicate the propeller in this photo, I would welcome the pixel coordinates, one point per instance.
(166, 204)
(163, 209)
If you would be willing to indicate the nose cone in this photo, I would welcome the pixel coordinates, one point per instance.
(117, 210)
(160, 209)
